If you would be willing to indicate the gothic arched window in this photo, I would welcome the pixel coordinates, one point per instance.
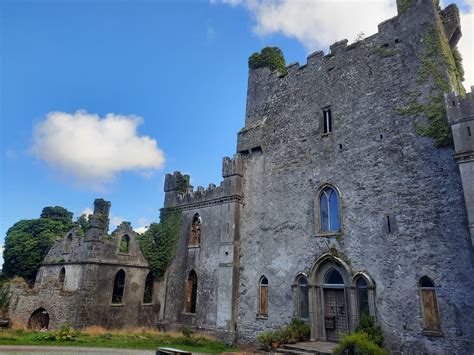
(61, 277)
(431, 322)
(329, 210)
(124, 244)
(148, 292)
(263, 297)
(302, 297)
(362, 296)
(191, 292)
(195, 233)
(119, 286)
(333, 277)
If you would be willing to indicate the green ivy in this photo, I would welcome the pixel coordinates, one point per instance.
(159, 243)
(405, 5)
(269, 57)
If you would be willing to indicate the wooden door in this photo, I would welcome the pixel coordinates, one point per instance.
(335, 313)
(430, 309)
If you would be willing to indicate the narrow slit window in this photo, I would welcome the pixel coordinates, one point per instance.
(469, 131)
(62, 277)
(303, 298)
(195, 234)
(327, 120)
(389, 227)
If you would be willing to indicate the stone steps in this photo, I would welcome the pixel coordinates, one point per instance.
(317, 348)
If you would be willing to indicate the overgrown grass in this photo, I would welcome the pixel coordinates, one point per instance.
(136, 338)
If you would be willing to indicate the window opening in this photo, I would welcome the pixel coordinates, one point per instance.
(148, 293)
(39, 320)
(119, 286)
(329, 205)
(303, 298)
(124, 244)
(195, 235)
(389, 229)
(362, 296)
(469, 131)
(327, 120)
(263, 297)
(333, 277)
(191, 292)
(62, 277)
(429, 305)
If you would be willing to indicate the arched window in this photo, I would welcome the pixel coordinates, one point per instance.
(303, 298)
(119, 286)
(329, 210)
(362, 291)
(333, 277)
(191, 292)
(124, 244)
(431, 322)
(263, 297)
(195, 234)
(61, 277)
(148, 293)
(39, 320)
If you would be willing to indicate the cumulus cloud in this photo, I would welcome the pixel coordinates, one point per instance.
(143, 225)
(87, 212)
(319, 23)
(95, 149)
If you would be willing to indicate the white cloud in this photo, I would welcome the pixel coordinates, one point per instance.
(141, 230)
(319, 23)
(87, 211)
(94, 149)
(115, 222)
(143, 225)
(2, 247)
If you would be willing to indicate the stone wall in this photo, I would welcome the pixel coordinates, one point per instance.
(381, 167)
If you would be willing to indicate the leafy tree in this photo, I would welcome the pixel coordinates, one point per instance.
(158, 244)
(27, 242)
(270, 57)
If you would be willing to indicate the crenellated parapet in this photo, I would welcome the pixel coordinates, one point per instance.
(228, 190)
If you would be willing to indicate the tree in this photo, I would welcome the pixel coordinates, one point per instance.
(28, 241)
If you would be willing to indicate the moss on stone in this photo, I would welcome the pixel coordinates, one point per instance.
(269, 57)
(404, 5)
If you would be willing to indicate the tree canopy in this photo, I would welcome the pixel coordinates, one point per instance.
(27, 242)
(270, 57)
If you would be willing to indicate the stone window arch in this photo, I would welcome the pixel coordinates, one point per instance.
(191, 292)
(195, 232)
(148, 291)
(327, 208)
(124, 246)
(61, 277)
(431, 323)
(263, 297)
(302, 297)
(119, 287)
(363, 295)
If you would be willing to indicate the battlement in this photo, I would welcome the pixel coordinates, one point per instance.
(179, 193)
(99, 220)
(460, 108)
(394, 37)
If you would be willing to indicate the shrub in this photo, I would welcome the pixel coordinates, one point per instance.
(296, 331)
(266, 339)
(299, 329)
(270, 57)
(374, 331)
(5, 295)
(65, 333)
(358, 343)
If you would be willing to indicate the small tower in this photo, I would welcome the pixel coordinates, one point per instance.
(99, 220)
(460, 111)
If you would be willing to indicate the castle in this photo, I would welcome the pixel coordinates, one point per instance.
(333, 206)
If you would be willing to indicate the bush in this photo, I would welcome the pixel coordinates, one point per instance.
(300, 330)
(270, 57)
(296, 331)
(358, 343)
(266, 339)
(374, 331)
(65, 333)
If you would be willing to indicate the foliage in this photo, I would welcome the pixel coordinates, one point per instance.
(124, 244)
(458, 63)
(296, 331)
(82, 223)
(374, 331)
(182, 183)
(187, 331)
(386, 52)
(5, 295)
(129, 338)
(269, 57)
(158, 244)
(28, 241)
(358, 343)
(66, 333)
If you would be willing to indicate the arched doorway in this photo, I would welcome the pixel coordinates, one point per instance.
(330, 292)
(39, 319)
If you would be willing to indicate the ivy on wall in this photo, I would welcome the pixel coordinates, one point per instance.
(159, 243)
(269, 57)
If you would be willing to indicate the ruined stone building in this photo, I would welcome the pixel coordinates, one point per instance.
(335, 204)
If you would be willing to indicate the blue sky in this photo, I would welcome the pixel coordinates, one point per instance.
(173, 71)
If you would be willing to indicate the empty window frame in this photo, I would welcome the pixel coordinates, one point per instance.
(326, 122)
(362, 294)
(302, 297)
(119, 286)
(333, 277)
(195, 233)
(329, 210)
(431, 323)
(263, 297)
(148, 291)
(61, 277)
(124, 244)
(191, 292)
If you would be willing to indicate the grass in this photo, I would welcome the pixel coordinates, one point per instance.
(136, 338)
